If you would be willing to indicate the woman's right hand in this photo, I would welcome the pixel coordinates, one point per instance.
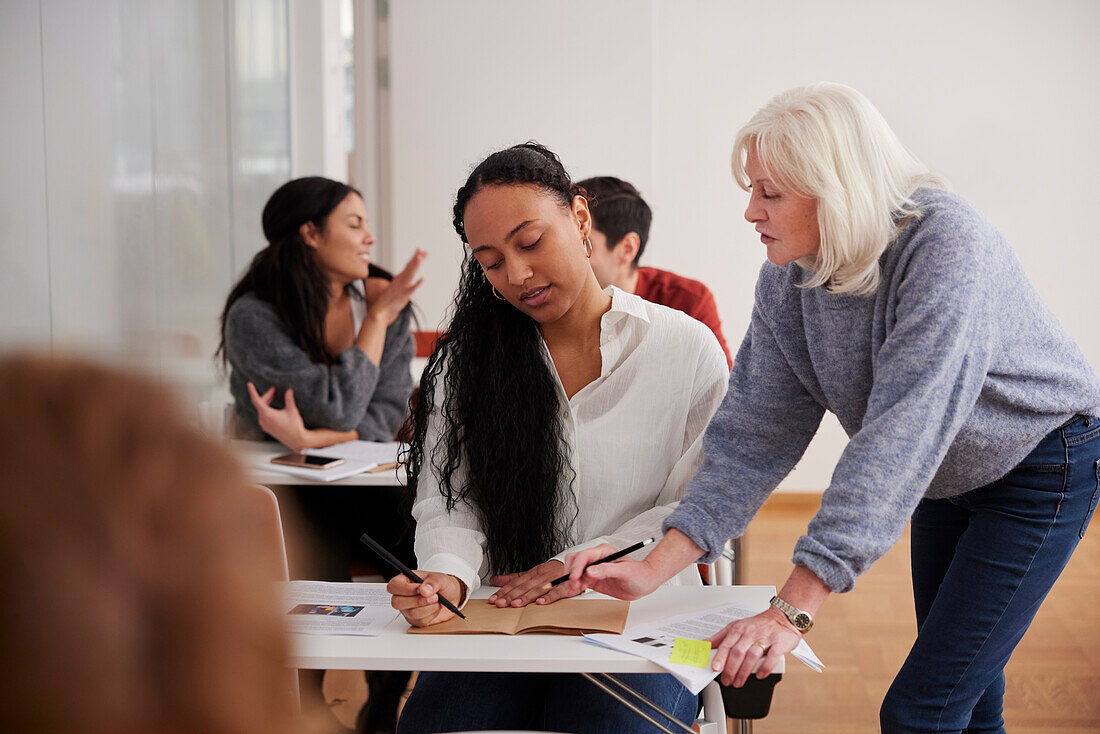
(283, 424)
(286, 425)
(627, 579)
(622, 579)
(385, 302)
(419, 603)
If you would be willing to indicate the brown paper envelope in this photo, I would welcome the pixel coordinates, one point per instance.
(566, 617)
(481, 618)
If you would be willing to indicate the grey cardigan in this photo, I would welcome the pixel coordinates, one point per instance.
(351, 393)
(944, 380)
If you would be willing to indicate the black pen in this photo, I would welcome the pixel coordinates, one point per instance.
(392, 560)
(613, 557)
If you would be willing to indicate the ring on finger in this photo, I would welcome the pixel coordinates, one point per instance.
(760, 644)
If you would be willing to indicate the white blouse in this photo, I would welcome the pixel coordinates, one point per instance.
(359, 308)
(635, 434)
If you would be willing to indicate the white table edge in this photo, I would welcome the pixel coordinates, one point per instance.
(546, 653)
(248, 451)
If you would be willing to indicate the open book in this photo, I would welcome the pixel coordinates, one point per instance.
(564, 617)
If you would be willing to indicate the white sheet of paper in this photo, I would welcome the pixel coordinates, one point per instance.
(358, 456)
(369, 452)
(331, 608)
(654, 642)
(347, 469)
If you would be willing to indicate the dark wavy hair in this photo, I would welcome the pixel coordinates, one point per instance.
(617, 210)
(285, 274)
(502, 451)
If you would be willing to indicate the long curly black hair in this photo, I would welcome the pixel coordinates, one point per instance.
(492, 392)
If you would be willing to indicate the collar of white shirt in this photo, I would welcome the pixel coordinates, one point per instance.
(626, 309)
(623, 304)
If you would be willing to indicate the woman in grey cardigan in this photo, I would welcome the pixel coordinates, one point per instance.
(898, 307)
(318, 344)
(317, 338)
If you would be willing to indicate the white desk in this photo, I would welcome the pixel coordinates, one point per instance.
(249, 451)
(527, 653)
(394, 649)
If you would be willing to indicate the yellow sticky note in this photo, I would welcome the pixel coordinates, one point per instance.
(695, 653)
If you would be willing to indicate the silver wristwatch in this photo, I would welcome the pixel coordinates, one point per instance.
(800, 619)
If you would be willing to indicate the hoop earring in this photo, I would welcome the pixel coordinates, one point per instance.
(587, 247)
(494, 290)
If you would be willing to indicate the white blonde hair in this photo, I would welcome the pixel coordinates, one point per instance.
(827, 142)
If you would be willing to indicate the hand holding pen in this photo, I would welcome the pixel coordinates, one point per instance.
(626, 579)
(605, 557)
(421, 604)
(416, 597)
(544, 584)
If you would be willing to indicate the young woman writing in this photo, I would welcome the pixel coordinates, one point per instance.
(553, 416)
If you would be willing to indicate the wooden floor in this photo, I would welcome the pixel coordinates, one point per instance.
(1053, 679)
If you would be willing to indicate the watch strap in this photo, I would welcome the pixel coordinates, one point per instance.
(800, 619)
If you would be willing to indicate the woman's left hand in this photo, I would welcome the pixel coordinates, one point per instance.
(741, 644)
(285, 425)
(387, 299)
(520, 589)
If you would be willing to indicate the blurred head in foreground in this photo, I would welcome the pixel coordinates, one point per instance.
(135, 581)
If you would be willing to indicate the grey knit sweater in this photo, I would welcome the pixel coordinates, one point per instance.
(352, 393)
(944, 380)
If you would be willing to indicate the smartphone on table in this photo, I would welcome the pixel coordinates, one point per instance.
(308, 461)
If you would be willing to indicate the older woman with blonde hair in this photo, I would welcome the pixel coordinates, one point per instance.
(898, 307)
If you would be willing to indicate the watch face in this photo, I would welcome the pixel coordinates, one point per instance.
(802, 621)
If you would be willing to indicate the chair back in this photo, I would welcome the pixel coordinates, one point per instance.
(267, 513)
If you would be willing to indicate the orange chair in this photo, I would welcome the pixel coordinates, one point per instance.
(425, 342)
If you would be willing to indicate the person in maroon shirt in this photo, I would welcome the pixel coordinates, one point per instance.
(620, 219)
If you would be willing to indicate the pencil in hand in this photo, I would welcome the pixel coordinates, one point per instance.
(613, 557)
(402, 568)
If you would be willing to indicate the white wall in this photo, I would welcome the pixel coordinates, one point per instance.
(140, 142)
(1000, 97)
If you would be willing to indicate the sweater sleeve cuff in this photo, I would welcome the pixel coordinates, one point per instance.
(698, 525)
(357, 360)
(455, 566)
(825, 564)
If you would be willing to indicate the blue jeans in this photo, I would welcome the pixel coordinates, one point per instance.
(561, 702)
(982, 564)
